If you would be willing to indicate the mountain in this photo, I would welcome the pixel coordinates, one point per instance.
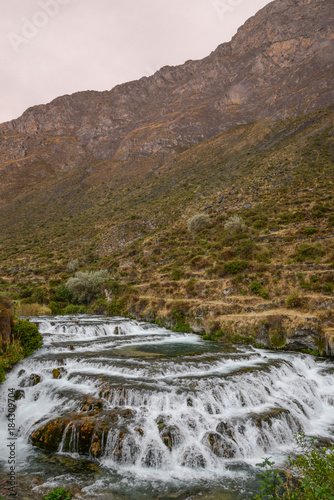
(279, 64)
(110, 178)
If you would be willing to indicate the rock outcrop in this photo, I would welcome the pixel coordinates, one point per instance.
(280, 63)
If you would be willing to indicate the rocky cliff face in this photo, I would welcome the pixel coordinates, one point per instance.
(280, 63)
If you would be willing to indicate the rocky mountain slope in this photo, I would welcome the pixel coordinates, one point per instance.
(111, 178)
(279, 64)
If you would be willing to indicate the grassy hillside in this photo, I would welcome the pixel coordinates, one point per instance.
(132, 220)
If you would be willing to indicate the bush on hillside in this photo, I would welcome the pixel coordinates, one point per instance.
(307, 251)
(198, 222)
(28, 335)
(62, 294)
(293, 300)
(235, 224)
(86, 286)
(235, 266)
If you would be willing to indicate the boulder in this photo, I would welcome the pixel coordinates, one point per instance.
(85, 432)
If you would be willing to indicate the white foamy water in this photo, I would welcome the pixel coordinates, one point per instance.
(196, 411)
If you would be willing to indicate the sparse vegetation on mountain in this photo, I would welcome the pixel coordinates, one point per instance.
(198, 222)
(86, 286)
(235, 225)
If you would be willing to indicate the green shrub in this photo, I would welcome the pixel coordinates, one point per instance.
(86, 286)
(235, 266)
(307, 251)
(198, 222)
(114, 287)
(328, 288)
(190, 287)
(73, 309)
(293, 300)
(257, 288)
(246, 249)
(314, 468)
(308, 231)
(179, 319)
(116, 307)
(55, 307)
(25, 293)
(62, 294)
(58, 494)
(39, 295)
(261, 223)
(320, 211)
(235, 224)
(177, 275)
(29, 336)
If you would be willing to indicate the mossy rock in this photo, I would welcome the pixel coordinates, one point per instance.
(170, 436)
(19, 394)
(85, 431)
(30, 381)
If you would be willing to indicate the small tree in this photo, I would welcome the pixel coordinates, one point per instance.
(235, 225)
(86, 286)
(198, 222)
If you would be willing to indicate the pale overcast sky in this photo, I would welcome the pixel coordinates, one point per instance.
(55, 47)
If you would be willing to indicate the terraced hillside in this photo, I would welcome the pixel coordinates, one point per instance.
(272, 280)
(109, 180)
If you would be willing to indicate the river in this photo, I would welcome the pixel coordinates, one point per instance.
(147, 413)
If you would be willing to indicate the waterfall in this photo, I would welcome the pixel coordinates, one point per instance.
(139, 399)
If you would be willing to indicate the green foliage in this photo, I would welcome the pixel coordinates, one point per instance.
(13, 354)
(227, 337)
(307, 251)
(62, 294)
(116, 307)
(58, 494)
(308, 231)
(86, 286)
(25, 292)
(271, 481)
(177, 275)
(319, 211)
(198, 222)
(257, 288)
(328, 288)
(261, 223)
(114, 287)
(235, 266)
(73, 309)
(55, 307)
(29, 336)
(293, 300)
(39, 295)
(246, 249)
(309, 476)
(190, 287)
(179, 319)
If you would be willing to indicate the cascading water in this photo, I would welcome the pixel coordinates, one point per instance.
(149, 412)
